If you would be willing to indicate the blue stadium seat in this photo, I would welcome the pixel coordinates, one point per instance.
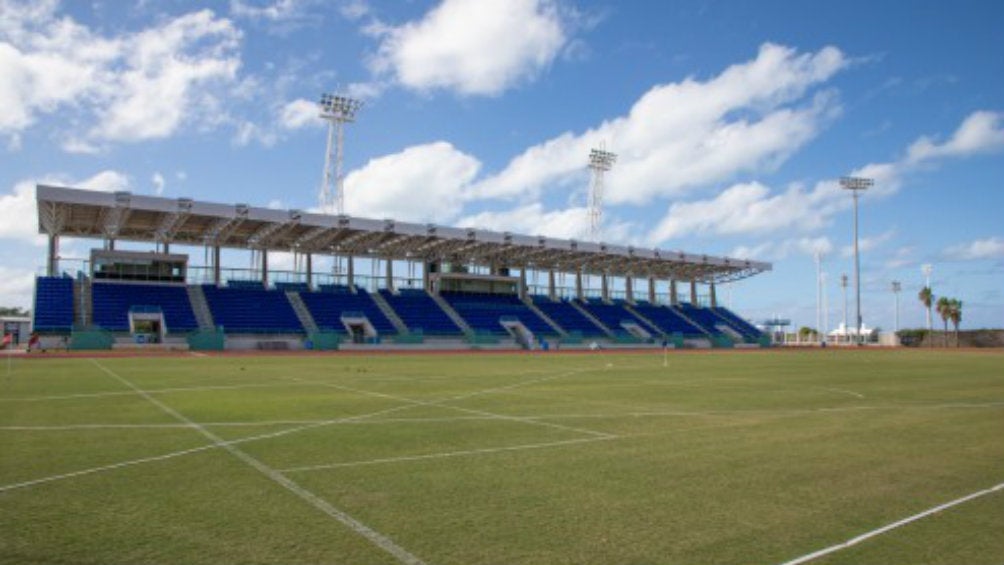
(252, 310)
(748, 330)
(111, 303)
(53, 309)
(327, 309)
(567, 317)
(483, 312)
(611, 316)
(419, 311)
(668, 320)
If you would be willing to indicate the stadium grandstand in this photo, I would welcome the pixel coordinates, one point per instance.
(464, 288)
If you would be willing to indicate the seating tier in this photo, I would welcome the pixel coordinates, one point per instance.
(420, 312)
(111, 303)
(53, 309)
(327, 308)
(249, 310)
(483, 312)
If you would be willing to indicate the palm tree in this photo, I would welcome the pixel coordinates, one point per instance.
(955, 314)
(944, 309)
(927, 298)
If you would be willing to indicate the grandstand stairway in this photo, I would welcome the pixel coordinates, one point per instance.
(392, 316)
(200, 308)
(575, 304)
(463, 325)
(533, 308)
(649, 326)
(81, 300)
(679, 311)
(301, 311)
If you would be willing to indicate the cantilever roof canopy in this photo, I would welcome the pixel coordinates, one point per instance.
(125, 216)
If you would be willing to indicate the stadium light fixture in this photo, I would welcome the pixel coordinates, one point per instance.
(856, 185)
(337, 111)
(600, 161)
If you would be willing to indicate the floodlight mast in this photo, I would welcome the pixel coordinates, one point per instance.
(600, 161)
(337, 111)
(896, 287)
(856, 185)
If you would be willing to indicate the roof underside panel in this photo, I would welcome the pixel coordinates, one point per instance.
(121, 215)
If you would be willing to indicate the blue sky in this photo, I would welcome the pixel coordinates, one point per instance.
(732, 122)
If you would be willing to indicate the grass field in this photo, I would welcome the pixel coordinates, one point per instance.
(601, 458)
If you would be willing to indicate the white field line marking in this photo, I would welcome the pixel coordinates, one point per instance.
(173, 454)
(441, 404)
(14, 486)
(841, 391)
(129, 393)
(442, 455)
(368, 419)
(375, 537)
(879, 531)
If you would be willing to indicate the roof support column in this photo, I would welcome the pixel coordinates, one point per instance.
(605, 286)
(551, 292)
(426, 279)
(110, 244)
(216, 265)
(578, 284)
(350, 266)
(651, 290)
(522, 283)
(264, 268)
(167, 247)
(309, 260)
(712, 295)
(53, 258)
(674, 298)
(629, 289)
(693, 293)
(389, 280)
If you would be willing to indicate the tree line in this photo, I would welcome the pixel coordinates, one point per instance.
(950, 310)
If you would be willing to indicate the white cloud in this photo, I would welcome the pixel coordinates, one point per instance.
(981, 132)
(472, 48)
(127, 87)
(158, 183)
(570, 223)
(298, 114)
(751, 208)
(989, 248)
(754, 208)
(688, 134)
(19, 209)
(271, 10)
(421, 183)
(19, 286)
(776, 251)
(354, 9)
(866, 244)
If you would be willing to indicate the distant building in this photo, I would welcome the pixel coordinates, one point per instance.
(19, 328)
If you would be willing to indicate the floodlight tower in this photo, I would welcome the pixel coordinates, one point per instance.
(600, 161)
(896, 287)
(337, 111)
(843, 285)
(856, 185)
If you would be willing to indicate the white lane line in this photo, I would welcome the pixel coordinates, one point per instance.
(375, 537)
(14, 486)
(442, 455)
(129, 393)
(441, 404)
(879, 531)
(842, 391)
